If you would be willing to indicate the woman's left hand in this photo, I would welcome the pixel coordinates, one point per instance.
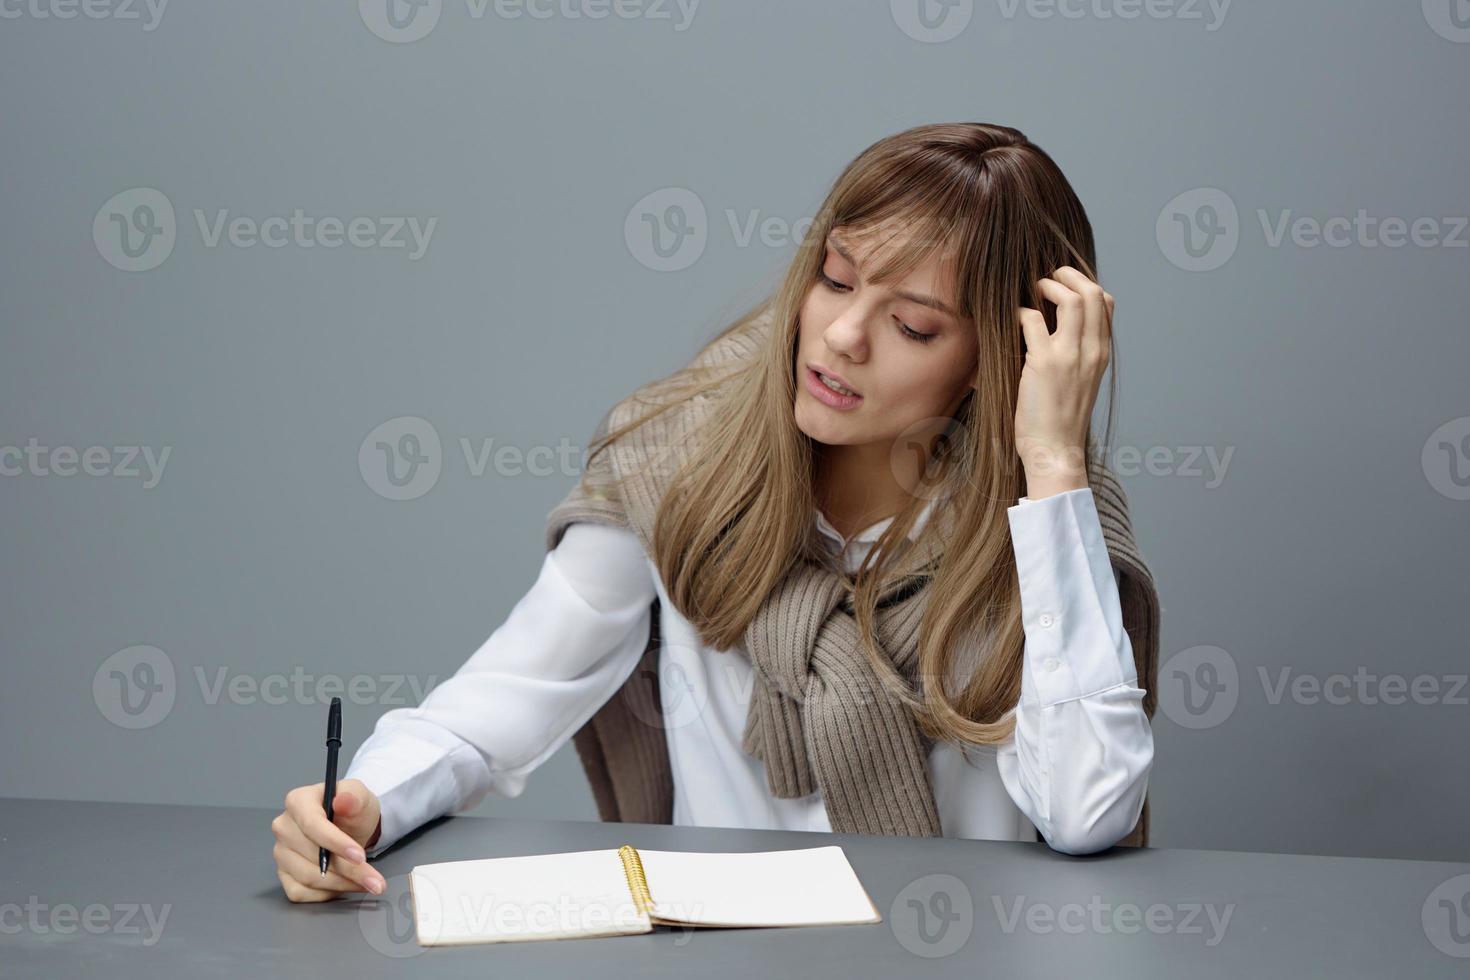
(1060, 380)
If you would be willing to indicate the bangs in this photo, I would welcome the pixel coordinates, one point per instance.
(905, 231)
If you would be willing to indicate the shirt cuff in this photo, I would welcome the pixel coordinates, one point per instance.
(410, 794)
(1070, 611)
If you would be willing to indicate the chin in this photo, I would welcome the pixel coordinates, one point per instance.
(817, 423)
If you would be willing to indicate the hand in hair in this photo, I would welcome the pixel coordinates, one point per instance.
(1060, 380)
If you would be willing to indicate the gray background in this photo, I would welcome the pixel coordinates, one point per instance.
(1328, 548)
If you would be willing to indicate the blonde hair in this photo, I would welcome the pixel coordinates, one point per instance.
(738, 513)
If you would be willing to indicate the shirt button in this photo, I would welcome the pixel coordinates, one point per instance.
(1046, 620)
(1050, 663)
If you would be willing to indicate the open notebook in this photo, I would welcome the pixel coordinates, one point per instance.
(625, 891)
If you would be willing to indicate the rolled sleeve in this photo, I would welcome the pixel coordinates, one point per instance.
(1078, 764)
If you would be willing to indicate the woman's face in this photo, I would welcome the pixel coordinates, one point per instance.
(898, 345)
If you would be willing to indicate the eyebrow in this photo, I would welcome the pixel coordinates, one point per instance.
(921, 299)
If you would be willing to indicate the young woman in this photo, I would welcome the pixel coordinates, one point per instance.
(863, 545)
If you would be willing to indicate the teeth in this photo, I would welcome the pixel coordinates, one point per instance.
(834, 385)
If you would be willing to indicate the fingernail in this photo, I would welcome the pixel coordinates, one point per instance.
(356, 854)
(375, 886)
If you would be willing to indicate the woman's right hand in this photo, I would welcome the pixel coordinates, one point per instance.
(302, 828)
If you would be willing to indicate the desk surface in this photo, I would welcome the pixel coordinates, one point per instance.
(142, 891)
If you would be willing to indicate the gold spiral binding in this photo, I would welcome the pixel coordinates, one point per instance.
(637, 881)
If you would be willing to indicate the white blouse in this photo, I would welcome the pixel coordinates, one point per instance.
(1077, 766)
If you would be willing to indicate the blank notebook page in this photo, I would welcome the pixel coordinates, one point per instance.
(538, 896)
(810, 886)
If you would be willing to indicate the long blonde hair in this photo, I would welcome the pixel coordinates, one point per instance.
(739, 512)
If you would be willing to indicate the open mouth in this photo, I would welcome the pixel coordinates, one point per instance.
(830, 391)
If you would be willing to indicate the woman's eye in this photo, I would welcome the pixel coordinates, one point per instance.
(908, 331)
(831, 283)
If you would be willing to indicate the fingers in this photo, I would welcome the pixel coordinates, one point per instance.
(1033, 328)
(306, 872)
(1085, 308)
(297, 892)
(304, 804)
(352, 875)
(1072, 311)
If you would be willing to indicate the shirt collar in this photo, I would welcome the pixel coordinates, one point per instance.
(874, 531)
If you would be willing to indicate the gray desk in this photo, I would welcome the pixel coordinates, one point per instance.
(137, 891)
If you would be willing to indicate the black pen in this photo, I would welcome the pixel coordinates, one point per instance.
(334, 741)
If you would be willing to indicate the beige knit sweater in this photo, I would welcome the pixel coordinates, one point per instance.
(819, 718)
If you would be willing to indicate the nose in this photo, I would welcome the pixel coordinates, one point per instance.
(847, 335)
